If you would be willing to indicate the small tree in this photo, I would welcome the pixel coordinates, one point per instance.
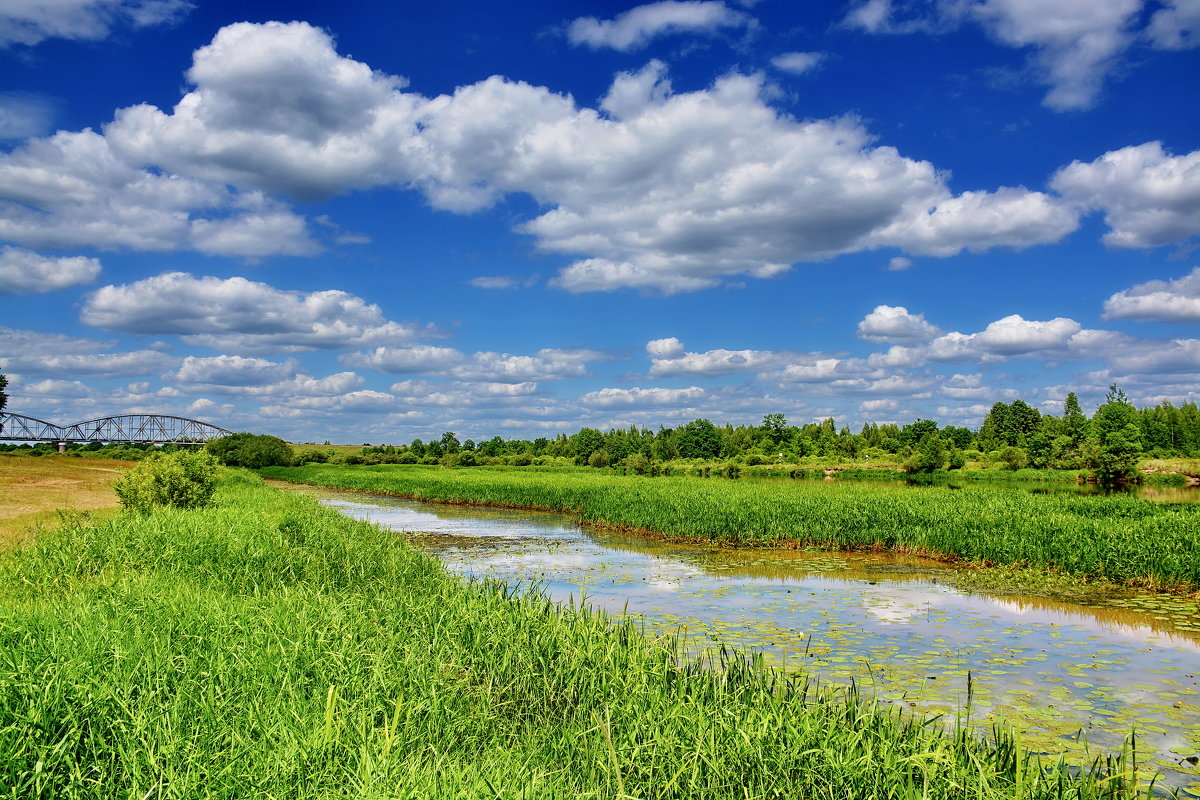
(1014, 457)
(183, 479)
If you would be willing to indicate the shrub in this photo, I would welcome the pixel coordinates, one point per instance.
(1014, 457)
(251, 450)
(184, 479)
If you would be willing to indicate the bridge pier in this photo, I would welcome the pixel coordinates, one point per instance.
(62, 447)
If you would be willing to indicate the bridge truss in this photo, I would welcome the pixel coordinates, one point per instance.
(123, 429)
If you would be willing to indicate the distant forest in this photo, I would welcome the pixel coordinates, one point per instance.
(1014, 434)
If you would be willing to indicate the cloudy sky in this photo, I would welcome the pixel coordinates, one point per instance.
(369, 222)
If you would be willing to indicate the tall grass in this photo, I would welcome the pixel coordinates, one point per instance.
(268, 647)
(1118, 538)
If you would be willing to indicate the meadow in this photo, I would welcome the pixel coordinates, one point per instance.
(270, 647)
(1114, 537)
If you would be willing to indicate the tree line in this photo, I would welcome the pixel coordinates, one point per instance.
(1013, 434)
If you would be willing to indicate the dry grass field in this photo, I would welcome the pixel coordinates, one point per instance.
(34, 489)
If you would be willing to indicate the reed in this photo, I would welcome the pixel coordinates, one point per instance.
(269, 647)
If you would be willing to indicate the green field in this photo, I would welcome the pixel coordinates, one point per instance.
(269, 647)
(1115, 537)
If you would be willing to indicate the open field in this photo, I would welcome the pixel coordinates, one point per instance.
(269, 647)
(1117, 538)
(33, 489)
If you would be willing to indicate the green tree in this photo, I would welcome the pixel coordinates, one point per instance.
(450, 443)
(586, 442)
(1074, 422)
(775, 428)
(3, 396)
(931, 455)
(698, 439)
(251, 450)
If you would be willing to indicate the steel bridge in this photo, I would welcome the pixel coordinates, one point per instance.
(123, 429)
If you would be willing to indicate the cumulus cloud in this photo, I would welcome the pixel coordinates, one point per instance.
(609, 398)
(1176, 356)
(28, 22)
(546, 365)
(1149, 197)
(232, 371)
(241, 315)
(406, 359)
(66, 357)
(896, 324)
(1159, 301)
(73, 190)
(664, 348)
(977, 221)
(653, 190)
(671, 360)
(1075, 43)
(26, 272)
(633, 29)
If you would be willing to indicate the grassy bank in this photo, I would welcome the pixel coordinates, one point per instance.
(1116, 538)
(269, 647)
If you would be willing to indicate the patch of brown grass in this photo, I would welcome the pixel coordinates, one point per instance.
(34, 489)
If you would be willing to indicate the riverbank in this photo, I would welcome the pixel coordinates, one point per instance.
(271, 647)
(1120, 539)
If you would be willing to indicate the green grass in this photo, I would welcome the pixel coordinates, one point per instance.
(269, 647)
(1114, 537)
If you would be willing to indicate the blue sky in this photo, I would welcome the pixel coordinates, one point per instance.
(364, 222)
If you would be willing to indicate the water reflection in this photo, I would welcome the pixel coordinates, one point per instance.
(1068, 674)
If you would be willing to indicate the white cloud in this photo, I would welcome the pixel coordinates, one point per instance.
(896, 324)
(664, 348)
(1178, 355)
(1075, 43)
(26, 272)
(406, 359)
(547, 364)
(609, 398)
(634, 28)
(1175, 26)
(241, 315)
(29, 22)
(655, 190)
(899, 264)
(712, 362)
(1149, 198)
(797, 63)
(107, 365)
(494, 282)
(1160, 301)
(232, 371)
(73, 190)
(1014, 335)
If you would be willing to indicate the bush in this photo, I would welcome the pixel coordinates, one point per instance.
(251, 450)
(184, 479)
(1014, 457)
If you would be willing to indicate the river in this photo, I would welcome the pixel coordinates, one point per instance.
(1075, 678)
